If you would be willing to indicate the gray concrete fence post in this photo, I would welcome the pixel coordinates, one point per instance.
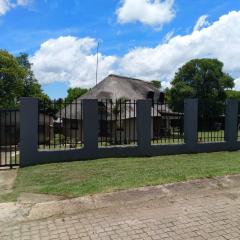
(28, 130)
(144, 124)
(90, 125)
(190, 121)
(231, 121)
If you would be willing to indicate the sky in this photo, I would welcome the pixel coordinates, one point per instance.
(146, 39)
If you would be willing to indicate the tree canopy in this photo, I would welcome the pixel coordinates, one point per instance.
(17, 80)
(156, 84)
(74, 93)
(12, 76)
(203, 79)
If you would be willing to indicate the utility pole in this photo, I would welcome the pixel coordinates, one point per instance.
(97, 64)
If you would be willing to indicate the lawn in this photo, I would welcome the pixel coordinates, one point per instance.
(107, 175)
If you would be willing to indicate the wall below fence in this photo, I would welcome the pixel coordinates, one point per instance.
(30, 155)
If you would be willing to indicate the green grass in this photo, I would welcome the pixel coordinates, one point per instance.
(107, 175)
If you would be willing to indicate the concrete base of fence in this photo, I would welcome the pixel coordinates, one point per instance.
(30, 155)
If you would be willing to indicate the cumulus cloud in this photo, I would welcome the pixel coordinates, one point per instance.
(6, 5)
(73, 60)
(220, 40)
(237, 84)
(149, 12)
(202, 22)
(69, 59)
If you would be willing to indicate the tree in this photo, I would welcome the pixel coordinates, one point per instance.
(30, 84)
(74, 93)
(156, 84)
(203, 79)
(12, 76)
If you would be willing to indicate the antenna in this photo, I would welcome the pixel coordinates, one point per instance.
(97, 64)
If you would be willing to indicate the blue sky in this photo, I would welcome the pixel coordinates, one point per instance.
(26, 25)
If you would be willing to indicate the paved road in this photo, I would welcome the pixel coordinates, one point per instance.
(209, 214)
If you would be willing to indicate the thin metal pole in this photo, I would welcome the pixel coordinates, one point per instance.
(97, 64)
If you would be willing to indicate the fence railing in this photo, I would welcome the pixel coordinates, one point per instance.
(167, 125)
(97, 140)
(211, 122)
(117, 122)
(9, 138)
(238, 126)
(60, 125)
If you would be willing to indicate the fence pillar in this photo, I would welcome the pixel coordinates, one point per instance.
(231, 121)
(90, 125)
(190, 121)
(28, 130)
(144, 124)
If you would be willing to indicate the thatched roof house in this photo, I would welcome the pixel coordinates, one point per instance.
(118, 87)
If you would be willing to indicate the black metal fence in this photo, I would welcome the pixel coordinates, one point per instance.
(211, 121)
(238, 127)
(117, 122)
(9, 138)
(167, 125)
(60, 125)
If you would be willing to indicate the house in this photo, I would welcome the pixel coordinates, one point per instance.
(117, 109)
(10, 128)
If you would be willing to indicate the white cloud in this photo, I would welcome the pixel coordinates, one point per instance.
(149, 12)
(4, 6)
(201, 23)
(7, 5)
(237, 84)
(220, 40)
(73, 60)
(69, 59)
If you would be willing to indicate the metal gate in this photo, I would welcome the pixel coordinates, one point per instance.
(9, 138)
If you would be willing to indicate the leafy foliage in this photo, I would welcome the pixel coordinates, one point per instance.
(74, 93)
(17, 80)
(203, 79)
(156, 84)
(12, 76)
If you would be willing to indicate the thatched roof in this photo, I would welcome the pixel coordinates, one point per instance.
(115, 87)
(118, 87)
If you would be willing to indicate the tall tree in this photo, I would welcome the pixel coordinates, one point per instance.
(31, 86)
(12, 76)
(203, 79)
(74, 93)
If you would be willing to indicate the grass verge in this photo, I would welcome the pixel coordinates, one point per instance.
(106, 175)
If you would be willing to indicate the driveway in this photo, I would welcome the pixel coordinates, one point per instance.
(202, 209)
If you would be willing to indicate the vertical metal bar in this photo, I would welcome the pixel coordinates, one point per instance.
(111, 120)
(44, 124)
(125, 124)
(100, 122)
(81, 123)
(5, 123)
(77, 127)
(60, 124)
(10, 138)
(106, 124)
(116, 123)
(65, 125)
(49, 125)
(15, 135)
(71, 125)
(156, 134)
(54, 134)
(130, 120)
(1, 135)
(134, 122)
(120, 121)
